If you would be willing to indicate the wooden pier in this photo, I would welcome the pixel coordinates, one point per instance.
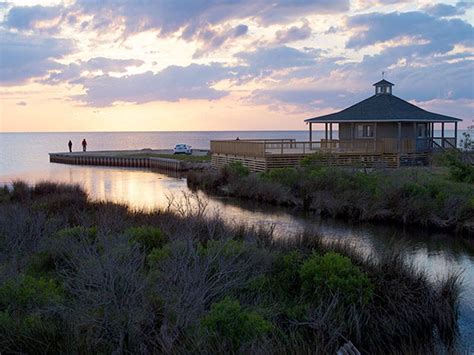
(130, 159)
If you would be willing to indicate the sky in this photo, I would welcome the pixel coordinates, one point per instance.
(186, 65)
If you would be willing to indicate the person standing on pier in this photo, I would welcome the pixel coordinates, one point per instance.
(70, 146)
(84, 145)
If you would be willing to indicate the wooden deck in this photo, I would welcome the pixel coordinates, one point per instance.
(262, 155)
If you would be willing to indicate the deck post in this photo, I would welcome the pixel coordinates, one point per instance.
(399, 145)
(310, 135)
(456, 134)
(442, 134)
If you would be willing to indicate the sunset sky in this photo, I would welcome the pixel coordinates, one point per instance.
(161, 65)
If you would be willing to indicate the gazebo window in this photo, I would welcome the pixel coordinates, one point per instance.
(365, 130)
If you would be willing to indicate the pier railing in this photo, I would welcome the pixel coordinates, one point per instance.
(128, 162)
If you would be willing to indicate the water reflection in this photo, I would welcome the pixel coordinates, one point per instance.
(436, 253)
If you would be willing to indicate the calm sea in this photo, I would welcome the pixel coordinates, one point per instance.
(27, 153)
(25, 156)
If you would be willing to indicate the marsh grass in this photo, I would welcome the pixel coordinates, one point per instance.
(410, 196)
(97, 277)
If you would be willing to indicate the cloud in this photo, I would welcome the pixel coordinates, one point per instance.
(424, 83)
(23, 57)
(293, 34)
(446, 10)
(265, 60)
(108, 65)
(341, 85)
(190, 16)
(299, 100)
(213, 39)
(173, 83)
(29, 17)
(72, 72)
(441, 34)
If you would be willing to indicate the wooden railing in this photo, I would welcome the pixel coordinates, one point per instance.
(248, 147)
(262, 148)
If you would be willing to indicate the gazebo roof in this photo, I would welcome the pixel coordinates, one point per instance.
(383, 82)
(383, 108)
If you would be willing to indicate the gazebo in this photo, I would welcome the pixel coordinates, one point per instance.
(388, 123)
(381, 131)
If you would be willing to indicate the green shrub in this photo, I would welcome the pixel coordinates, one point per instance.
(43, 262)
(4, 194)
(227, 320)
(332, 274)
(77, 233)
(148, 237)
(285, 274)
(286, 176)
(235, 169)
(158, 255)
(314, 160)
(459, 170)
(226, 248)
(27, 321)
(20, 191)
(50, 188)
(27, 291)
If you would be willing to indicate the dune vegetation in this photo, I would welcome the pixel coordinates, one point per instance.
(79, 276)
(439, 197)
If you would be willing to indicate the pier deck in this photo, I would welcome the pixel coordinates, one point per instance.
(146, 158)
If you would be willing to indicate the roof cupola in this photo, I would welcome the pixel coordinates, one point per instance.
(383, 87)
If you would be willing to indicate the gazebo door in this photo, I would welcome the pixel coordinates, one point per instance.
(422, 138)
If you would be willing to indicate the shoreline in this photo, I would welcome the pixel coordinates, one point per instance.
(415, 197)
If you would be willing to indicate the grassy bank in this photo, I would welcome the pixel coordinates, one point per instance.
(412, 196)
(78, 276)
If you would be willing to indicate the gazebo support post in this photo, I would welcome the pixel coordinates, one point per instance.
(399, 137)
(399, 145)
(415, 136)
(375, 137)
(310, 135)
(352, 136)
(442, 134)
(456, 134)
(326, 134)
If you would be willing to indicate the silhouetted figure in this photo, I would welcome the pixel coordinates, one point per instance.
(84, 145)
(70, 146)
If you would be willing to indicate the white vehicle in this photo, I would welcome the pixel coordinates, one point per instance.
(182, 149)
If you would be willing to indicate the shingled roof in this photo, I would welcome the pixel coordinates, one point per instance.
(383, 82)
(383, 108)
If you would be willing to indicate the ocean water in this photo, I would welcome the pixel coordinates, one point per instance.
(25, 156)
(22, 153)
